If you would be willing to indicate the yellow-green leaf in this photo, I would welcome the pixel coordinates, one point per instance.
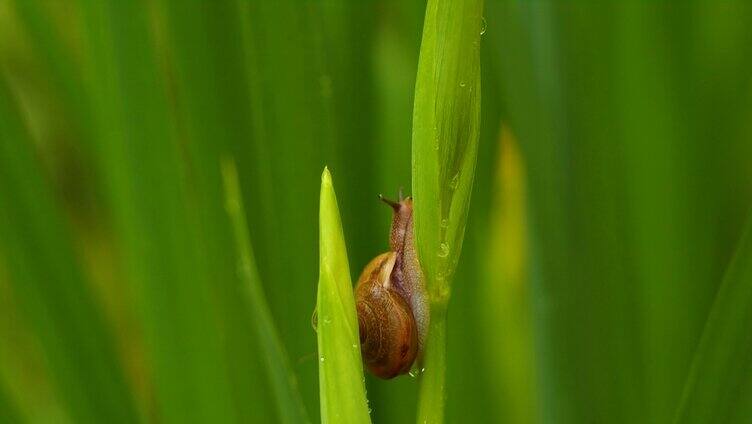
(341, 381)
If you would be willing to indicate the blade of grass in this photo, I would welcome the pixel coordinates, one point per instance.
(477, 400)
(211, 113)
(668, 216)
(8, 411)
(598, 292)
(342, 391)
(581, 284)
(287, 126)
(51, 287)
(58, 63)
(289, 404)
(23, 370)
(721, 361)
(504, 299)
(743, 403)
(154, 217)
(533, 89)
(446, 120)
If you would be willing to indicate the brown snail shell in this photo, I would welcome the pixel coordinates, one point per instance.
(391, 301)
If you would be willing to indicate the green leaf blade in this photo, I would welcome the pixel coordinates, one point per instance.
(8, 411)
(342, 391)
(50, 285)
(446, 128)
(446, 125)
(721, 363)
(290, 407)
(158, 230)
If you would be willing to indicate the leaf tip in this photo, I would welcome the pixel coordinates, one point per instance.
(326, 177)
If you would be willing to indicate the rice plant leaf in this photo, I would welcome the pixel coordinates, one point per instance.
(446, 124)
(59, 64)
(722, 360)
(154, 217)
(504, 300)
(283, 81)
(342, 391)
(8, 411)
(50, 286)
(212, 109)
(290, 407)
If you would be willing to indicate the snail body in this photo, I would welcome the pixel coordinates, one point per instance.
(391, 301)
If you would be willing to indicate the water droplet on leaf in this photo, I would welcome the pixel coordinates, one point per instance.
(443, 250)
(455, 181)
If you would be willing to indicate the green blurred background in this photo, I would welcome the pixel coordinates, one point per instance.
(613, 182)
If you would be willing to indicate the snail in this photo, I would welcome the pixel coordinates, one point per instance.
(391, 300)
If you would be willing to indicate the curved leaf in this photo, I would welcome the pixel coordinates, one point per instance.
(722, 361)
(290, 407)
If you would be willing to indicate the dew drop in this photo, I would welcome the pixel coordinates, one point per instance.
(444, 223)
(440, 276)
(483, 26)
(455, 181)
(444, 250)
(412, 374)
(462, 83)
(321, 358)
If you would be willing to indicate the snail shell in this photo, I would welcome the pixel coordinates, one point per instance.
(391, 301)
